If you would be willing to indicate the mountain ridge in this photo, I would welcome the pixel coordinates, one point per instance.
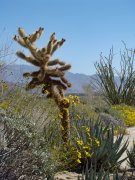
(13, 74)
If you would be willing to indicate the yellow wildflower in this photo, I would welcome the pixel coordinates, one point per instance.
(65, 100)
(78, 116)
(86, 147)
(97, 142)
(70, 96)
(77, 99)
(88, 154)
(66, 109)
(87, 129)
(62, 128)
(79, 155)
(73, 102)
(80, 142)
(60, 116)
(78, 161)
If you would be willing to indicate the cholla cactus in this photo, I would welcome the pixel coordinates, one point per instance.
(44, 76)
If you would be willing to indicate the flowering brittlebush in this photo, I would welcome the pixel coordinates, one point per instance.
(126, 113)
(74, 99)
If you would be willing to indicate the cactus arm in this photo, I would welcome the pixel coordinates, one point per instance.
(29, 59)
(55, 62)
(64, 80)
(57, 45)
(33, 83)
(22, 32)
(20, 41)
(65, 67)
(34, 74)
(36, 35)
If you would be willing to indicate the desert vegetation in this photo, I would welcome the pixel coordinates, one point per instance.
(45, 132)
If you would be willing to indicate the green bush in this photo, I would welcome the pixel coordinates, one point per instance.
(82, 111)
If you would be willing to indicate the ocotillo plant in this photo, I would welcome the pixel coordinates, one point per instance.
(117, 86)
(54, 88)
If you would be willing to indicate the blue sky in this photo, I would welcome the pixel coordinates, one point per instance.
(89, 27)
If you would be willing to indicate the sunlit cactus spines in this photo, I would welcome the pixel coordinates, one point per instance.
(41, 57)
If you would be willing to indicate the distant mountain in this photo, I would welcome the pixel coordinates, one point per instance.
(13, 74)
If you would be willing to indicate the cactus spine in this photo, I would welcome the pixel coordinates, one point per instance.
(54, 88)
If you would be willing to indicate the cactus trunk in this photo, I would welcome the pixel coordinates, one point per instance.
(64, 111)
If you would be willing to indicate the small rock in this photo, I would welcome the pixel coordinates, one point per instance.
(23, 177)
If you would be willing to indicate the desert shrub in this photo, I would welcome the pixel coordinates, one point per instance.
(30, 148)
(125, 113)
(117, 87)
(33, 106)
(94, 143)
(33, 132)
(82, 110)
(93, 99)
